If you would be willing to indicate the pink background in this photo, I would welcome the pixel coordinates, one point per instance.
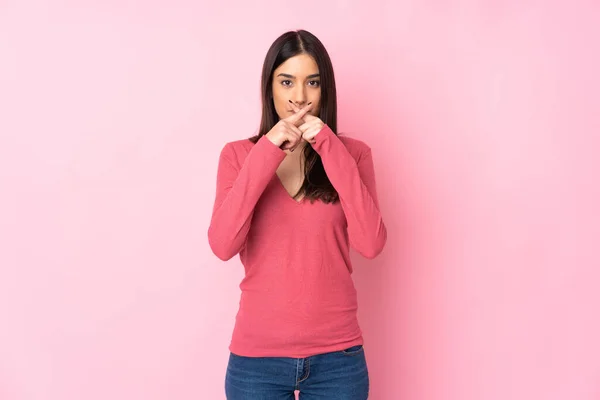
(484, 121)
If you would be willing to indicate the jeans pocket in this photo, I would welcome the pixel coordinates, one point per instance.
(350, 351)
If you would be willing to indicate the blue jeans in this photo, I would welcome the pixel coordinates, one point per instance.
(340, 375)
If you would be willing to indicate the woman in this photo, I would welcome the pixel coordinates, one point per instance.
(291, 201)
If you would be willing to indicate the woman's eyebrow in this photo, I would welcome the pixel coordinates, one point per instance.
(293, 77)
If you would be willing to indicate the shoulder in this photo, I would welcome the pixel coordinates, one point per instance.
(356, 147)
(236, 151)
(239, 145)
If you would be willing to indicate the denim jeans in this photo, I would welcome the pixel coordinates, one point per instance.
(340, 375)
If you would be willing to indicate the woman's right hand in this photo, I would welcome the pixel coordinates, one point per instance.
(285, 134)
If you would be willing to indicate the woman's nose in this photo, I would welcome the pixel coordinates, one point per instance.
(300, 104)
(299, 97)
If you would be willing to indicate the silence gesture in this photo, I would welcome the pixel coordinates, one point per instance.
(286, 134)
(310, 127)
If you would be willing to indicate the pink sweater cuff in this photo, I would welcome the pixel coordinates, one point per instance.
(324, 134)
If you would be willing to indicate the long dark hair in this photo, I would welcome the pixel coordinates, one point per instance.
(316, 184)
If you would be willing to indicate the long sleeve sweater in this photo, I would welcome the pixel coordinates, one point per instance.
(297, 296)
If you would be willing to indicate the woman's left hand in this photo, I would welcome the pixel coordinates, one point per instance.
(311, 127)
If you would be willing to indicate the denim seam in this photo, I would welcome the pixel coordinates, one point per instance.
(307, 372)
(297, 366)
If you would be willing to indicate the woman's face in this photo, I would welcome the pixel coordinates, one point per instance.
(297, 79)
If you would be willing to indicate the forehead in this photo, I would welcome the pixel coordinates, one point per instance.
(300, 66)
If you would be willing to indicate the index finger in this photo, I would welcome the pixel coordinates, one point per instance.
(299, 114)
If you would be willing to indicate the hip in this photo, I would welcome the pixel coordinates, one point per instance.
(334, 375)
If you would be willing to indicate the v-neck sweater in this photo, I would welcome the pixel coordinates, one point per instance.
(297, 296)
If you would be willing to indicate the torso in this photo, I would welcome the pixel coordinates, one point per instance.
(297, 287)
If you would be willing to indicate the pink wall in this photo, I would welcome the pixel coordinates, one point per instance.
(484, 121)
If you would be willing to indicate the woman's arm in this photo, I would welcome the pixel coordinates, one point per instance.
(355, 184)
(238, 191)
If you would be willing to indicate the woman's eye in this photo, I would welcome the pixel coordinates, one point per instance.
(287, 82)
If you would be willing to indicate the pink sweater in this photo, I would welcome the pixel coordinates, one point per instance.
(298, 298)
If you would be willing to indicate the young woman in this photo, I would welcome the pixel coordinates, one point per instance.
(291, 201)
